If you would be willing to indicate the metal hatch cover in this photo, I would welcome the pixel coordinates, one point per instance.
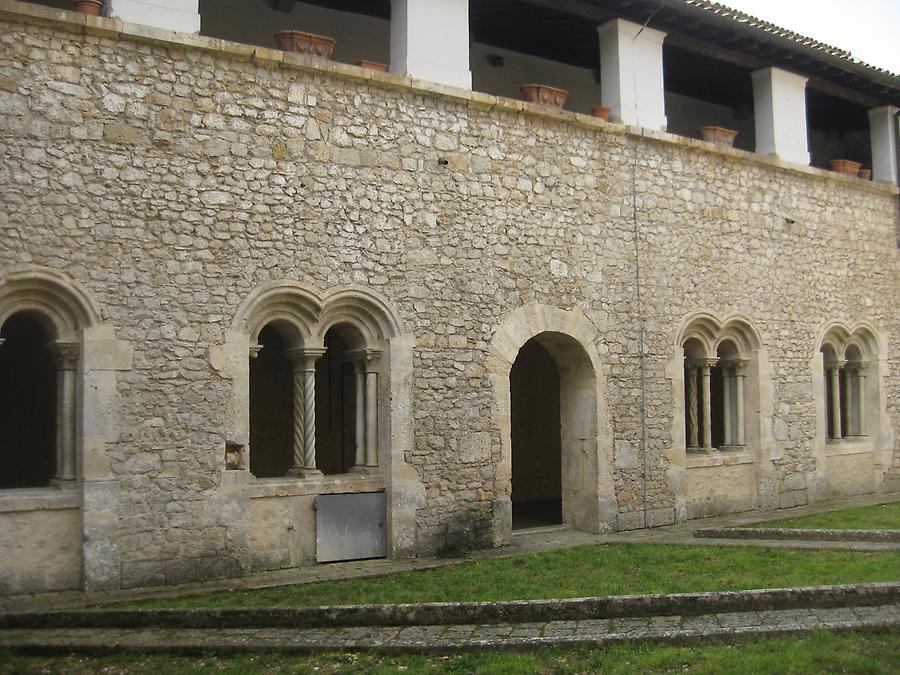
(351, 526)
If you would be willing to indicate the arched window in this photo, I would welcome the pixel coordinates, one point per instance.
(716, 360)
(314, 384)
(43, 315)
(846, 361)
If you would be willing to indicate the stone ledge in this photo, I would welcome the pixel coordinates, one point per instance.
(791, 533)
(117, 29)
(300, 487)
(835, 448)
(720, 627)
(39, 499)
(452, 613)
(696, 460)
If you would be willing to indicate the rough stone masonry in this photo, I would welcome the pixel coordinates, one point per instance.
(169, 181)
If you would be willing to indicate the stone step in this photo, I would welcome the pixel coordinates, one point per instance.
(675, 629)
(448, 613)
(803, 534)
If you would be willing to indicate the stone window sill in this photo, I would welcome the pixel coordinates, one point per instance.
(288, 486)
(695, 459)
(38, 499)
(850, 445)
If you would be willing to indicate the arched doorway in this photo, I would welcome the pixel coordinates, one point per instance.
(536, 441)
(555, 473)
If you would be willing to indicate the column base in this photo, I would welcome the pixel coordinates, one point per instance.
(304, 472)
(365, 470)
(63, 483)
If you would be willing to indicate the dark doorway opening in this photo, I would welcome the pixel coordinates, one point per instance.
(336, 403)
(536, 442)
(271, 407)
(27, 405)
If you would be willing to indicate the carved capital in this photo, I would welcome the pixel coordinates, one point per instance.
(365, 358)
(704, 364)
(255, 350)
(65, 354)
(835, 365)
(304, 358)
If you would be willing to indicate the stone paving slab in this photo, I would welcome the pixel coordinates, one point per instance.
(448, 639)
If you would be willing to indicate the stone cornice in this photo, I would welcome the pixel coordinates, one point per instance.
(74, 22)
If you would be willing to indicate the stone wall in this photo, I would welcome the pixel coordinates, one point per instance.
(171, 180)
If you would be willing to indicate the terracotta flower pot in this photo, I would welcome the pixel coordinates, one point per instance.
(865, 174)
(310, 44)
(372, 65)
(846, 167)
(92, 7)
(541, 93)
(600, 112)
(718, 135)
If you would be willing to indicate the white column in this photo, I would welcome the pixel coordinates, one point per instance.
(850, 394)
(883, 130)
(182, 16)
(834, 373)
(861, 391)
(430, 40)
(371, 415)
(779, 106)
(304, 360)
(739, 375)
(727, 411)
(692, 407)
(359, 391)
(631, 73)
(705, 366)
(66, 355)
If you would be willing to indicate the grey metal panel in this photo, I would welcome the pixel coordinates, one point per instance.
(351, 526)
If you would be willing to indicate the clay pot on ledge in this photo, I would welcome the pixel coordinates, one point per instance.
(846, 167)
(544, 95)
(865, 174)
(600, 112)
(92, 7)
(298, 42)
(718, 135)
(373, 65)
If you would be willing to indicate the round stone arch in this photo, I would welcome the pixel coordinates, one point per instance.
(88, 359)
(57, 301)
(845, 342)
(586, 436)
(702, 334)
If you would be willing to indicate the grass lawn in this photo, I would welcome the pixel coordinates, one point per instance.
(878, 517)
(810, 653)
(613, 569)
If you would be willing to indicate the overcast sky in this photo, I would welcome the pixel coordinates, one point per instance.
(869, 29)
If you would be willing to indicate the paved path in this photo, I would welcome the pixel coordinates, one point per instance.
(730, 626)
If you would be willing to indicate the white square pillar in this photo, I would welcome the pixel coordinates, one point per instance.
(430, 40)
(779, 105)
(182, 16)
(883, 128)
(631, 73)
